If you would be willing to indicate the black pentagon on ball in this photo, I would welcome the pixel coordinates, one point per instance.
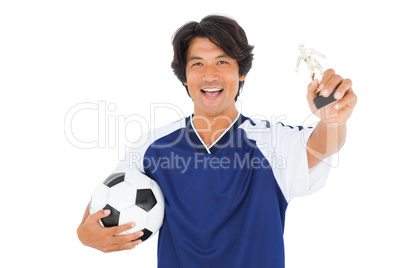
(145, 199)
(147, 234)
(114, 179)
(113, 218)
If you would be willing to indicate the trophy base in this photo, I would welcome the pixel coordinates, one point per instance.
(322, 101)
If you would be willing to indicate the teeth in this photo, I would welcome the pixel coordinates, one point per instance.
(211, 89)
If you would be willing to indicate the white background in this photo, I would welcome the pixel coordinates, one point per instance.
(58, 54)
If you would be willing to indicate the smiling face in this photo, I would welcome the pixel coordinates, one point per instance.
(212, 79)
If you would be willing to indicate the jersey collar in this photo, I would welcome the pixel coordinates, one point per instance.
(222, 141)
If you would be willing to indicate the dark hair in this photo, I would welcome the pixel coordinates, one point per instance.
(224, 32)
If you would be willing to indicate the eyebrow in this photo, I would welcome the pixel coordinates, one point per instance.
(200, 58)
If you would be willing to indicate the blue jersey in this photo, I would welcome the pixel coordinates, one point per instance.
(225, 204)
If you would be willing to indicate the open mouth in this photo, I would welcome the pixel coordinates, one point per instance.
(211, 93)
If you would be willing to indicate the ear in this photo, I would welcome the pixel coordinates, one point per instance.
(243, 77)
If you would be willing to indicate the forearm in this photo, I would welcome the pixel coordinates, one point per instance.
(80, 227)
(326, 140)
(330, 134)
(86, 214)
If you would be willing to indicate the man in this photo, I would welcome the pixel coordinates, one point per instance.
(225, 204)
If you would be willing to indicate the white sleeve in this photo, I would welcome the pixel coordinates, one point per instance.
(294, 177)
(133, 160)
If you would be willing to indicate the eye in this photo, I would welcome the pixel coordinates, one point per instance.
(197, 64)
(222, 62)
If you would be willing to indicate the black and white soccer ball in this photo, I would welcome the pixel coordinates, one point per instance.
(131, 197)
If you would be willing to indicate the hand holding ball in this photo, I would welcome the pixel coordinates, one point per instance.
(131, 197)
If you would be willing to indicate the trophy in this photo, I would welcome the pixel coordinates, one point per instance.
(312, 64)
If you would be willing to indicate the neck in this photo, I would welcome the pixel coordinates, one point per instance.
(211, 127)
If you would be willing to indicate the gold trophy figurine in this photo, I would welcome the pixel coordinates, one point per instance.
(312, 64)
(306, 54)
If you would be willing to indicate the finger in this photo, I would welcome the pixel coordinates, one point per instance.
(131, 244)
(121, 228)
(344, 86)
(120, 247)
(312, 90)
(326, 77)
(312, 87)
(331, 85)
(123, 239)
(349, 100)
(95, 217)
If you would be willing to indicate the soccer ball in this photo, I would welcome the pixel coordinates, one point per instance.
(131, 197)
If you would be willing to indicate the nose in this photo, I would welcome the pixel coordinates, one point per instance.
(210, 73)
